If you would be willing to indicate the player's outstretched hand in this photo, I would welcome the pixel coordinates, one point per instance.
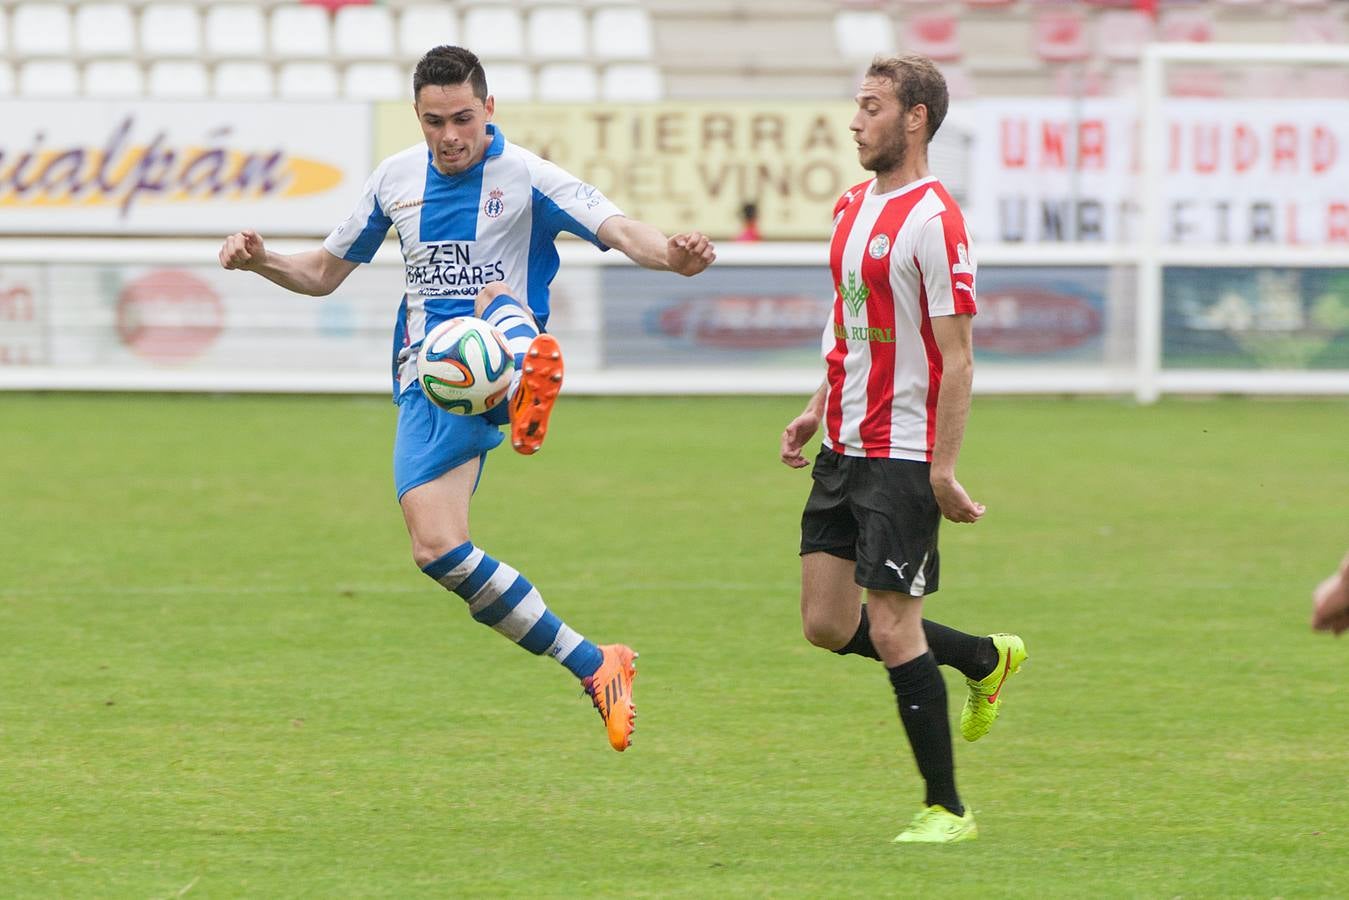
(796, 436)
(689, 254)
(1330, 602)
(955, 504)
(242, 250)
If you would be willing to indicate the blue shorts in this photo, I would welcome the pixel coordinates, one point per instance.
(431, 442)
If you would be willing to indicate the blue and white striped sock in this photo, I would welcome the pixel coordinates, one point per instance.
(502, 598)
(516, 323)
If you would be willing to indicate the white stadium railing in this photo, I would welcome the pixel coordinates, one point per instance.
(109, 322)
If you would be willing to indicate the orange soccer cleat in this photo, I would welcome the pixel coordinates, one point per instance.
(610, 689)
(540, 382)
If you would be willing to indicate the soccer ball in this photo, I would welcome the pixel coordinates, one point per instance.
(465, 366)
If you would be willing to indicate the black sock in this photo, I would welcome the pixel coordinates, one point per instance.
(973, 656)
(860, 644)
(921, 695)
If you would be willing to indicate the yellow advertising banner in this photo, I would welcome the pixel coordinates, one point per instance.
(683, 165)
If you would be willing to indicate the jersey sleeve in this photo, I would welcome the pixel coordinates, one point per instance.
(946, 264)
(359, 235)
(563, 202)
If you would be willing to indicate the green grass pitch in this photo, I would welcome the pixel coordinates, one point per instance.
(222, 676)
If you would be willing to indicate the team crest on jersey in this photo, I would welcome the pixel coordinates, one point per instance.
(494, 205)
(880, 245)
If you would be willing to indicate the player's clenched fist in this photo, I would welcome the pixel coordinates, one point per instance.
(242, 250)
(689, 254)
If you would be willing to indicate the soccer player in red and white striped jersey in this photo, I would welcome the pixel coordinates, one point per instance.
(899, 364)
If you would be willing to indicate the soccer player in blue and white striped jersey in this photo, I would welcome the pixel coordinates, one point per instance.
(476, 217)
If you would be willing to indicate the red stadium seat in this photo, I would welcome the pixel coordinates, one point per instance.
(1190, 26)
(1061, 36)
(1198, 81)
(934, 35)
(1314, 28)
(334, 5)
(1121, 34)
(1072, 81)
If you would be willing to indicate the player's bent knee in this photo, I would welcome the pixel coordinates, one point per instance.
(825, 633)
(489, 292)
(425, 553)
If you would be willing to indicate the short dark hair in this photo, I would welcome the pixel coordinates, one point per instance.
(916, 81)
(447, 65)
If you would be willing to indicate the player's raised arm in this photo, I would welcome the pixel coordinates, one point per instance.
(685, 254)
(313, 272)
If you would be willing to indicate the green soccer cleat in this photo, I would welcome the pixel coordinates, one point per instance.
(938, 825)
(985, 697)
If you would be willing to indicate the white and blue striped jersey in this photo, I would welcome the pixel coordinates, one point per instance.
(497, 221)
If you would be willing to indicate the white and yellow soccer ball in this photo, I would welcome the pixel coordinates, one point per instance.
(465, 366)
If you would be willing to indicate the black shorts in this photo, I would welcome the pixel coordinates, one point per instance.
(880, 513)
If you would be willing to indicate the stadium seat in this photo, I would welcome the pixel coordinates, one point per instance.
(104, 29)
(934, 35)
(170, 30)
(556, 32)
(568, 83)
(300, 32)
(1061, 37)
(1331, 83)
(1121, 34)
(1267, 82)
(861, 34)
(376, 81)
(510, 81)
(178, 79)
(332, 6)
(1195, 81)
(495, 32)
(244, 80)
(1193, 26)
(1080, 81)
(49, 78)
(1314, 28)
(621, 32)
(632, 83)
(958, 82)
(113, 78)
(363, 32)
(307, 81)
(422, 27)
(40, 29)
(235, 30)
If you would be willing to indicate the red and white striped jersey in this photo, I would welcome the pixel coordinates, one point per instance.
(897, 259)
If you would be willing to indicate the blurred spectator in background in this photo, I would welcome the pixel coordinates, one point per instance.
(749, 221)
(1330, 601)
